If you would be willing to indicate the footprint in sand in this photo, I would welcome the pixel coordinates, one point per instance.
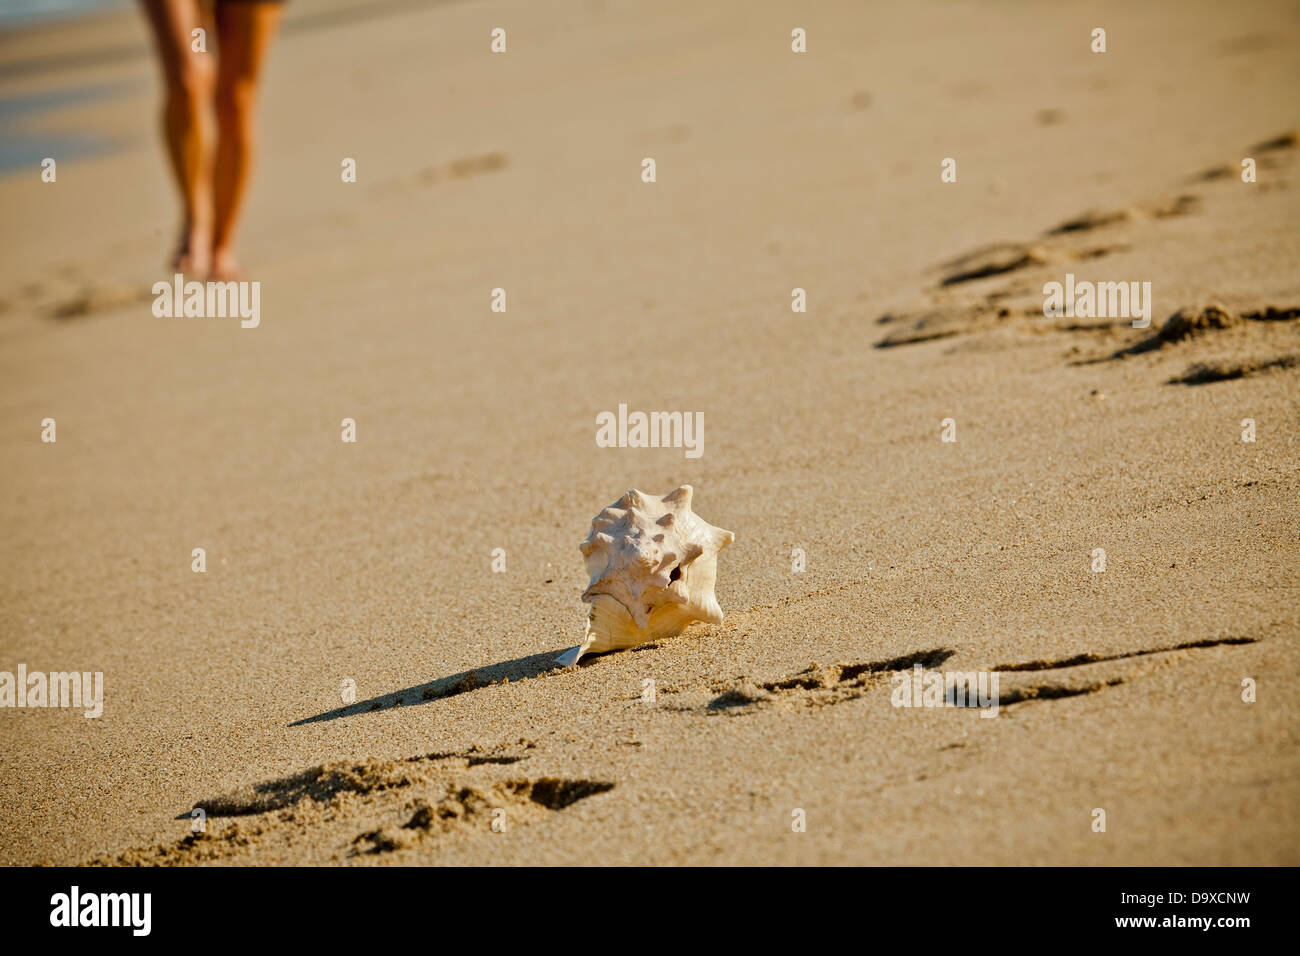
(462, 168)
(395, 804)
(817, 686)
(952, 310)
(92, 299)
(1197, 326)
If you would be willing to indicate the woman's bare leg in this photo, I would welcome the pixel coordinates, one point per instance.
(188, 77)
(244, 32)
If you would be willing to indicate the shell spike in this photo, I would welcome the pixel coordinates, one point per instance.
(631, 499)
(681, 497)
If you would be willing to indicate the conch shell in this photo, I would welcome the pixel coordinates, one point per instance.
(653, 563)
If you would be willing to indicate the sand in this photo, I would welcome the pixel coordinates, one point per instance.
(371, 562)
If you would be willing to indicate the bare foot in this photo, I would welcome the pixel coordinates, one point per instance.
(193, 255)
(224, 267)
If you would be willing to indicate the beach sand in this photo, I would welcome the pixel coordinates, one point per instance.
(372, 562)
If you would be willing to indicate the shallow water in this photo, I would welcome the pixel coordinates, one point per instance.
(27, 136)
(21, 13)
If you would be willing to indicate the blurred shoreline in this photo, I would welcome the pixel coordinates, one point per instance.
(19, 15)
(49, 56)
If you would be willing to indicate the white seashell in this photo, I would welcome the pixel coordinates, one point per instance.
(653, 563)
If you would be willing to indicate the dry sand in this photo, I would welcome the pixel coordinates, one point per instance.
(371, 562)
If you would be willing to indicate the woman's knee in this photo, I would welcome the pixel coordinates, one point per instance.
(235, 101)
(190, 84)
